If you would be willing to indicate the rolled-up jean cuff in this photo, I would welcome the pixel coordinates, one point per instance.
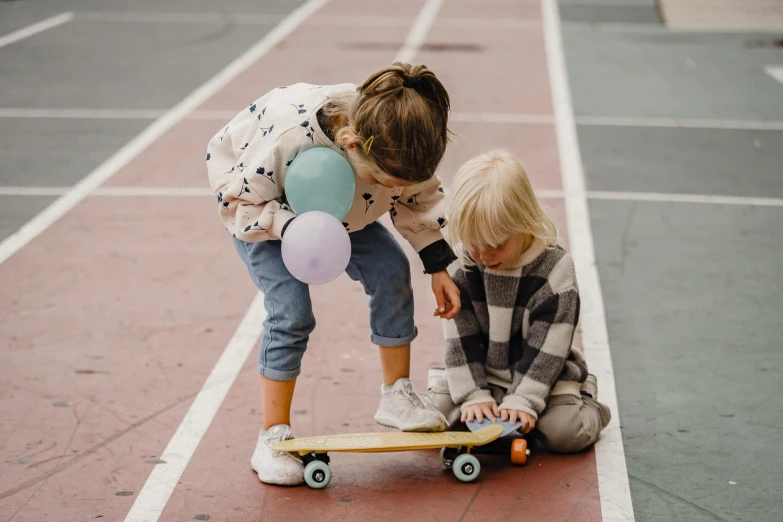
(394, 341)
(279, 375)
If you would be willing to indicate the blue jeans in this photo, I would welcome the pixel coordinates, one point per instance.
(377, 261)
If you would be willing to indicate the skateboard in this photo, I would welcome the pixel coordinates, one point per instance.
(510, 442)
(459, 444)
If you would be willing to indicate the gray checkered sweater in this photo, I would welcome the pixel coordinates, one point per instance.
(515, 330)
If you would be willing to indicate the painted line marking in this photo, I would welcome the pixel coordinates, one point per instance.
(82, 114)
(36, 28)
(645, 28)
(612, 473)
(462, 117)
(776, 72)
(419, 31)
(654, 197)
(151, 17)
(686, 198)
(245, 19)
(684, 123)
(501, 117)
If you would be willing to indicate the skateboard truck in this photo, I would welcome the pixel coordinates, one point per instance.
(517, 449)
(316, 471)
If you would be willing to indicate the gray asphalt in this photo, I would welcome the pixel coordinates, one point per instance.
(692, 291)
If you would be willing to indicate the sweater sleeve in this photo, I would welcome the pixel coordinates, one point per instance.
(246, 162)
(420, 214)
(466, 350)
(545, 351)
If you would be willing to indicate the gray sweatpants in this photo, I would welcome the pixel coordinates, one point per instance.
(568, 424)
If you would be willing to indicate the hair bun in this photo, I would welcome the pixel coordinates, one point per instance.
(412, 82)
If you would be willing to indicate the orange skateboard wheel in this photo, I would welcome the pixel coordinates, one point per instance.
(519, 451)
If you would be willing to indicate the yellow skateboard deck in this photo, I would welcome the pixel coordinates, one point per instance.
(465, 466)
(390, 441)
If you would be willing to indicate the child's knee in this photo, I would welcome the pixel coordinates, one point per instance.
(396, 280)
(284, 341)
(291, 326)
(570, 424)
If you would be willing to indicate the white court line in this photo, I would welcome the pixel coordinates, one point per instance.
(686, 198)
(30, 30)
(111, 191)
(657, 197)
(619, 121)
(155, 494)
(682, 123)
(107, 169)
(462, 117)
(419, 31)
(151, 17)
(667, 197)
(501, 117)
(776, 72)
(612, 473)
(619, 27)
(107, 114)
(154, 191)
(165, 476)
(81, 114)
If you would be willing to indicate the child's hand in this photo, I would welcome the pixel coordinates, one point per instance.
(479, 411)
(527, 420)
(446, 295)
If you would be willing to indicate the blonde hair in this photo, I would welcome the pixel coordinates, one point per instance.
(401, 111)
(492, 200)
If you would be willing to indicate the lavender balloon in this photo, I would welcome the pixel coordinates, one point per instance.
(316, 247)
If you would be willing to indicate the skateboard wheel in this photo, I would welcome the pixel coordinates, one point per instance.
(317, 474)
(519, 451)
(444, 458)
(466, 467)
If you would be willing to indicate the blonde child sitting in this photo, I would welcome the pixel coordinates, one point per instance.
(509, 352)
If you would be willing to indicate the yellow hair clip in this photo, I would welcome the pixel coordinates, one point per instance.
(368, 145)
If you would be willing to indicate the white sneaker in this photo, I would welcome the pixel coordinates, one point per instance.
(276, 467)
(403, 409)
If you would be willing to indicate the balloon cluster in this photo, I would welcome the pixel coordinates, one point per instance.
(319, 186)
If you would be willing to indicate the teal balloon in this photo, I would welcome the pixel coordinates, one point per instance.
(320, 179)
